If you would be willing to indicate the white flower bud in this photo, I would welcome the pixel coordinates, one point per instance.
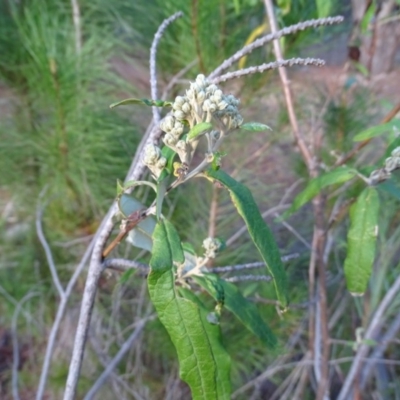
(161, 163)
(211, 247)
(186, 108)
(178, 128)
(209, 106)
(222, 105)
(218, 95)
(391, 163)
(201, 81)
(396, 152)
(201, 95)
(179, 100)
(167, 123)
(190, 94)
(179, 114)
(181, 145)
(211, 89)
(151, 154)
(169, 140)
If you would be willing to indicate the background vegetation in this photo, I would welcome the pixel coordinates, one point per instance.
(63, 149)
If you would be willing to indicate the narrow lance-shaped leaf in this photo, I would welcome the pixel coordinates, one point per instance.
(255, 127)
(258, 230)
(198, 130)
(146, 102)
(339, 175)
(203, 362)
(361, 241)
(376, 131)
(243, 309)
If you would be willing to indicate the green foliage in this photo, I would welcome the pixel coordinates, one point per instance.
(255, 127)
(198, 130)
(339, 175)
(259, 231)
(60, 137)
(243, 309)
(145, 102)
(376, 130)
(204, 364)
(361, 241)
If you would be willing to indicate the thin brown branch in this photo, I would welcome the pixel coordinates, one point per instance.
(134, 219)
(319, 236)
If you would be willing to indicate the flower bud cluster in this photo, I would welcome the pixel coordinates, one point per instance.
(391, 163)
(211, 247)
(173, 129)
(154, 160)
(203, 101)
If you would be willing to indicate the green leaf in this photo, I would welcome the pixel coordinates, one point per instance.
(324, 8)
(198, 129)
(258, 230)
(391, 146)
(361, 241)
(255, 127)
(243, 309)
(146, 102)
(390, 187)
(314, 186)
(120, 187)
(376, 130)
(368, 17)
(203, 362)
(166, 246)
(169, 154)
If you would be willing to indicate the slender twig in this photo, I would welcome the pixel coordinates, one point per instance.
(153, 62)
(376, 355)
(268, 66)
(241, 267)
(312, 23)
(173, 81)
(95, 268)
(76, 16)
(114, 376)
(319, 236)
(121, 264)
(252, 278)
(370, 333)
(268, 373)
(46, 248)
(118, 357)
(56, 324)
(291, 229)
(16, 354)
